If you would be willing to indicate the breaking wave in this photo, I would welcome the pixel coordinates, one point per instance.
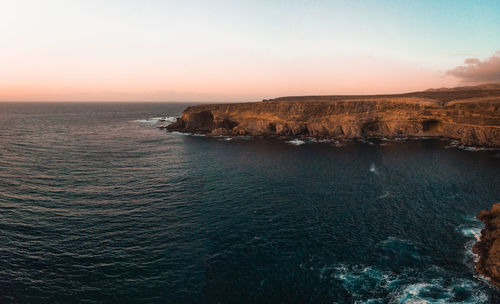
(371, 284)
(296, 142)
(472, 231)
(456, 144)
(156, 120)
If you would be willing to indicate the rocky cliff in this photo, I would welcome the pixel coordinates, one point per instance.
(488, 248)
(470, 116)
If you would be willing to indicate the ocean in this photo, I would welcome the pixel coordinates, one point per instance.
(98, 205)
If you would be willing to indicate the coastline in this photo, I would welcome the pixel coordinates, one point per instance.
(471, 118)
(488, 247)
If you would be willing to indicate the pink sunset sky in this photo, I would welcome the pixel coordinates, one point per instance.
(235, 51)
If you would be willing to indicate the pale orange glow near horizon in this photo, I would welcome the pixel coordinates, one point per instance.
(249, 84)
(232, 52)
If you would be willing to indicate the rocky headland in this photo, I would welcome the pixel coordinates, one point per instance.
(488, 248)
(470, 115)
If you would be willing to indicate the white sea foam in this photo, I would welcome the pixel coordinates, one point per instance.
(473, 232)
(156, 120)
(445, 293)
(179, 133)
(321, 141)
(456, 144)
(373, 169)
(386, 194)
(366, 141)
(475, 149)
(296, 142)
(430, 286)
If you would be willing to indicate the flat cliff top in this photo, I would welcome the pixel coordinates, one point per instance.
(488, 248)
(433, 97)
(439, 96)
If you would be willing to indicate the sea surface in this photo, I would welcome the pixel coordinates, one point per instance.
(97, 205)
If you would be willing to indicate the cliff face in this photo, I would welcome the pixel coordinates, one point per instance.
(488, 248)
(472, 117)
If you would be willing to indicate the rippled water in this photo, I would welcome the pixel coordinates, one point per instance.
(98, 205)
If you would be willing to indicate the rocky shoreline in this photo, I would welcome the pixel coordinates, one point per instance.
(472, 117)
(488, 248)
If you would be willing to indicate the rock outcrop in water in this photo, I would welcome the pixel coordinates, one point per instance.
(471, 116)
(488, 248)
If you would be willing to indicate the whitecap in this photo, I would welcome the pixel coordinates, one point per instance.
(373, 169)
(473, 232)
(179, 133)
(386, 194)
(364, 283)
(475, 149)
(296, 142)
(444, 293)
(322, 141)
(155, 120)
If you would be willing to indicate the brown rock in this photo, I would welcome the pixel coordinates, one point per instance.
(488, 248)
(469, 116)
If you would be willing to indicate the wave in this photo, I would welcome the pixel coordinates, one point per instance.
(179, 133)
(437, 291)
(186, 134)
(366, 141)
(456, 144)
(472, 231)
(386, 194)
(370, 284)
(404, 284)
(296, 142)
(156, 120)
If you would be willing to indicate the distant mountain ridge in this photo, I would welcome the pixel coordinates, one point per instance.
(487, 86)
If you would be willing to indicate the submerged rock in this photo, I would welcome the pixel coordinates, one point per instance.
(472, 117)
(488, 248)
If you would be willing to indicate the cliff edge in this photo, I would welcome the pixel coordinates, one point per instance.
(471, 116)
(488, 248)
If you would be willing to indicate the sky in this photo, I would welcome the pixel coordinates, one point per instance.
(148, 50)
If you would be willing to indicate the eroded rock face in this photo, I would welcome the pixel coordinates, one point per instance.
(488, 248)
(472, 117)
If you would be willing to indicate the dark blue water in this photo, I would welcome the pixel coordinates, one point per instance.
(99, 206)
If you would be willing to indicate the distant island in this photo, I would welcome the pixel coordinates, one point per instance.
(470, 115)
